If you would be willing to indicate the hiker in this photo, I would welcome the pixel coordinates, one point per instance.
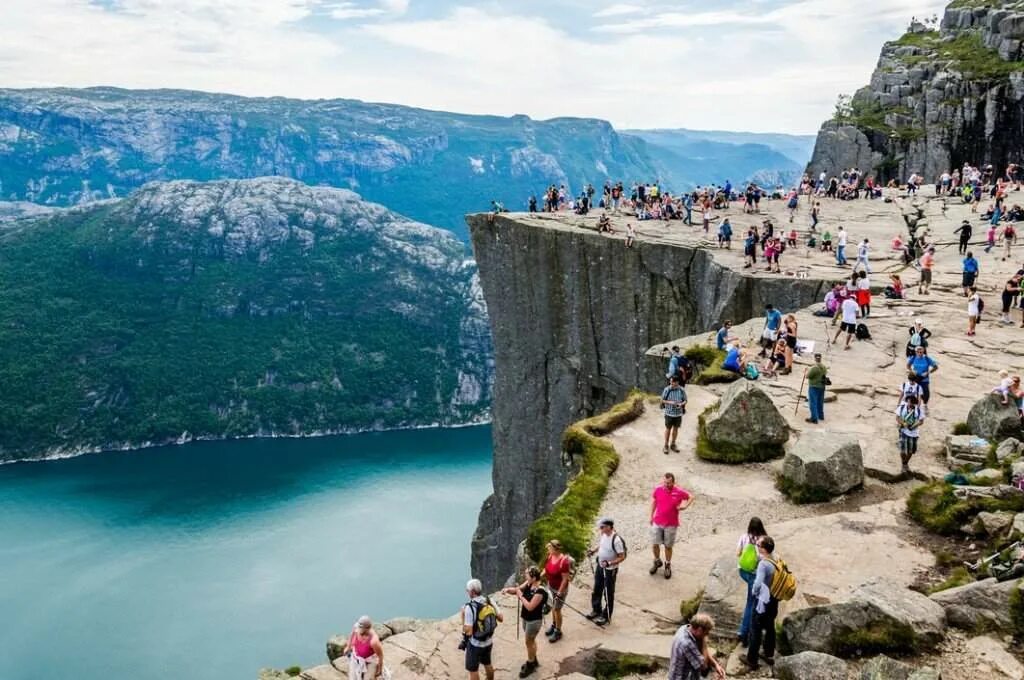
(735, 361)
(965, 230)
(667, 501)
(531, 596)
(909, 418)
(918, 337)
(673, 401)
(610, 552)
(849, 310)
(1005, 383)
(863, 294)
(894, 291)
(691, 658)
(480, 618)
(1010, 291)
(766, 607)
(923, 366)
(630, 234)
(927, 262)
(364, 650)
(911, 387)
(973, 310)
(789, 330)
(725, 234)
(772, 322)
(558, 570)
(747, 557)
(679, 366)
(724, 338)
(817, 379)
(863, 251)
(841, 247)
(970, 273)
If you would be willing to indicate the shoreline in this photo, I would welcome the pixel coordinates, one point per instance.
(186, 438)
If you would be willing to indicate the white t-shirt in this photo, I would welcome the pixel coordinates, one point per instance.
(842, 238)
(972, 305)
(608, 552)
(909, 389)
(850, 309)
(863, 283)
(469, 619)
(914, 415)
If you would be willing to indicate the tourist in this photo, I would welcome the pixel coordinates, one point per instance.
(772, 250)
(863, 251)
(1010, 291)
(863, 293)
(531, 598)
(610, 551)
(734, 361)
(747, 557)
(990, 238)
(766, 607)
(706, 214)
(673, 401)
(849, 310)
(815, 215)
(364, 650)
(725, 234)
(817, 380)
(918, 337)
(1009, 236)
(604, 224)
(558, 568)
(841, 247)
(724, 338)
(789, 330)
(923, 366)
(927, 262)
(826, 242)
(667, 501)
(965, 230)
(895, 290)
(775, 362)
(909, 417)
(1003, 389)
(630, 234)
(973, 309)
(479, 621)
(772, 323)
(750, 248)
(691, 657)
(970, 273)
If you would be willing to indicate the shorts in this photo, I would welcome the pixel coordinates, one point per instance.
(908, 445)
(769, 334)
(850, 328)
(558, 602)
(531, 629)
(968, 279)
(791, 341)
(665, 536)
(477, 656)
(673, 421)
(926, 276)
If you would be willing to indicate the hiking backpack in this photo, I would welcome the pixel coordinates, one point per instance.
(622, 544)
(783, 585)
(485, 619)
(862, 332)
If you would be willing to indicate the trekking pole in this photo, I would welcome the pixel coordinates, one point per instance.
(800, 392)
(607, 602)
(517, 621)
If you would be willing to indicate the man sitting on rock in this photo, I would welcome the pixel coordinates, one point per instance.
(690, 658)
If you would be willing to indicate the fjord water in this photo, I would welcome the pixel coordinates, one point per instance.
(210, 560)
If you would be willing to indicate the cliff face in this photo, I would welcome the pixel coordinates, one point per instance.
(937, 99)
(571, 315)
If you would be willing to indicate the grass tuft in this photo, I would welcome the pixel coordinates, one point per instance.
(572, 516)
(707, 362)
(800, 494)
(689, 607)
(883, 638)
(934, 507)
(961, 428)
(958, 577)
(293, 671)
(623, 665)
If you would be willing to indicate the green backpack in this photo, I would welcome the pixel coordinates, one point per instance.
(748, 558)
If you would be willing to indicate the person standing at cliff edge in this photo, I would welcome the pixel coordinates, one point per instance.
(673, 400)
(480, 618)
(611, 551)
(667, 501)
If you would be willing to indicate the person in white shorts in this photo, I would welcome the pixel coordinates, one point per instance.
(667, 501)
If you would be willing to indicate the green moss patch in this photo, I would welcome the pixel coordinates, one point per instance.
(801, 494)
(884, 638)
(689, 607)
(731, 454)
(961, 428)
(958, 577)
(707, 362)
(607, 667)
(293, 671)
(934, 506)
(1017, 612)
(572, 516)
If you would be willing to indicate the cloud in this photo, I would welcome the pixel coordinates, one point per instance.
(350, 10)
(617, 10)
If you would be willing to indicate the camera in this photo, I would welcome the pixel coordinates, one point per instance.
(463, 642)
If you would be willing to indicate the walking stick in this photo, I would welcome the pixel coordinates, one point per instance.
(517, 622)
(797, 407)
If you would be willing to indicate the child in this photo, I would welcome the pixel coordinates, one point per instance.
(1005, 383)
(990, 238)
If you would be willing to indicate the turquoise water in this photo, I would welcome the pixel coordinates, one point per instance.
(211, 560)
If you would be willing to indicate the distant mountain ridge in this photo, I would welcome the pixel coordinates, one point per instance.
(233, 308)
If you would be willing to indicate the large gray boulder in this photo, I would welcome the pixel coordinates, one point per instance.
(811, 665)
(1010, 447)
(966, 450)
(884, 668)
(878, 617)
(993, 523)
(822, 465)
(991, 419)
(979, 605)
(745, 426)
(725, 595)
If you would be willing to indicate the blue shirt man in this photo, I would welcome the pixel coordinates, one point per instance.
(970, 265)
(773, 318)
(922, 366)
(722, 335)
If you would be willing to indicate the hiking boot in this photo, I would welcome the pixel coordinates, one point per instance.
(770, 660)
(556, 636)
(593, 615)
(528, 668)
(654, 567)
(601, 621)
(551, 630)
(665, 450)
(810, 420)
(668, 570)
(674, 448)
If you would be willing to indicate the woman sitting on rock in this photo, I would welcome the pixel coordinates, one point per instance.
(895, 290)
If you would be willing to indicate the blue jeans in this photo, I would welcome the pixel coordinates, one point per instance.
(816, 402)
(748, 609)
(841, 254)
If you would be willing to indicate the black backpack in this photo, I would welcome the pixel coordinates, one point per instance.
(862, 332)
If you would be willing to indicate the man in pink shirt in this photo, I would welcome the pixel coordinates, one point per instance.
(927, 262)
(666, 503)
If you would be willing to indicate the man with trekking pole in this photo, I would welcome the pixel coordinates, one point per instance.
(611, 551)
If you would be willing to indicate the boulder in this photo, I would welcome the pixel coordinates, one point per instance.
(991, 419)
(725, 595)
(925, 673)
(1001, 492)
(979, 605)
(1009, 448)
(993, 523)
(1017, 526)
(811, 665)
(966, 450)
(885, 668)
(878, 617)
(744, 427)
(405, 624)
(988, 476)
(822, 465)
(994, 653)
(1017, 469)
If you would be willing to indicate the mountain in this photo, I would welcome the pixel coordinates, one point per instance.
(939, 97)
(64, 146)
(693, 157)
(232, 308)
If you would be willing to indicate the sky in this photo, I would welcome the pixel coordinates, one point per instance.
(757, 65)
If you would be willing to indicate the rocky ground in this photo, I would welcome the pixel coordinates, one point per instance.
(833, 547)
